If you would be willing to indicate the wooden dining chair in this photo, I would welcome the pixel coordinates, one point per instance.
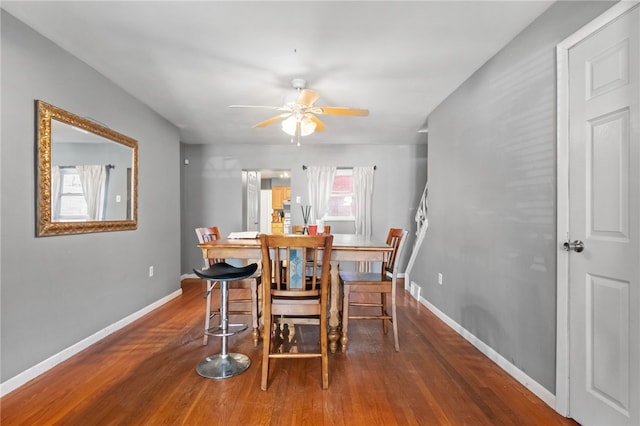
(296, 298)
(239, 303)
(383, 284)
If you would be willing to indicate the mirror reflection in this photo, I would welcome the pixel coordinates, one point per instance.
(87, 175)
(90, 176)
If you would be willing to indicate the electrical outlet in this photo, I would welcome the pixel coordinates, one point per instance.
(440, 278)
(150, 271)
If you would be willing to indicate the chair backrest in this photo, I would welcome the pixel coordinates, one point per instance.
(209, 234)
(288, 262)
(395, 238)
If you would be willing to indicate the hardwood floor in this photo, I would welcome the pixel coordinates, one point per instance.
(145, 375)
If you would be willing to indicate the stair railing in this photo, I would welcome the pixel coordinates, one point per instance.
(422, 223)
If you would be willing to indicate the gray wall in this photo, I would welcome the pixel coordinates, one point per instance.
(59, 290)
(212, 184)
(492, 198)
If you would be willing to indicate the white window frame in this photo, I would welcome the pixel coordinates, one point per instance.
(341, 172)
(61, 195)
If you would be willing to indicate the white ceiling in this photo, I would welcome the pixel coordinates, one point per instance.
(189, 61)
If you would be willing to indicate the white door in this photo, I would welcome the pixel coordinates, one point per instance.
(604, 214)
(265, 211)
(252, 200)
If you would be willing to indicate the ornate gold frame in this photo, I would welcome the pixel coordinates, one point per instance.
(45, 226)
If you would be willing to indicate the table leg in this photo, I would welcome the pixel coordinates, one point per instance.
(334, 308)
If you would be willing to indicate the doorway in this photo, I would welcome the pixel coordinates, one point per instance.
(598, 328)
(259, 211)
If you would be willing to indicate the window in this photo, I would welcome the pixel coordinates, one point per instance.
(341, 205)
(72, 205)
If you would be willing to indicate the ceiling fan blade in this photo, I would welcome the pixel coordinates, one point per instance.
(272, 119)
(307, 97)
(319, 124)
(341, 111)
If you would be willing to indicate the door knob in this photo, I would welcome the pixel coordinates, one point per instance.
(576, 246)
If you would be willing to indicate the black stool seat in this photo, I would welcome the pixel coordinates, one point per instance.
(224, 272)
(225, 364)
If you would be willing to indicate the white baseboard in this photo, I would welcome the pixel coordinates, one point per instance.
(537, 389)
(185, 276)
(33, 372)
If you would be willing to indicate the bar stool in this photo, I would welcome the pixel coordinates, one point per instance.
(224, 364)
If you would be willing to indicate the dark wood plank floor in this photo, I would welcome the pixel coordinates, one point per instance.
(145, 375)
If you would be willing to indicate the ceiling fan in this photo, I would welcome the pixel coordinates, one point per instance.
(299, 112)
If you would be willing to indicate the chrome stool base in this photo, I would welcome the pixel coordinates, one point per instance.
(218, 331)
(224, 364)
(222, 367)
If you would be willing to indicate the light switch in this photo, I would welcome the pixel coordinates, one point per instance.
(118, 198)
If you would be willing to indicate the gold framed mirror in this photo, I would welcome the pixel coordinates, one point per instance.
(87, 175)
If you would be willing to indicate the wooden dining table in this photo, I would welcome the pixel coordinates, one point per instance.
(346, 247)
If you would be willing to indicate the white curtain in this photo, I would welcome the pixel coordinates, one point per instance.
(320, 182)
(93, 179)
(55, 191)
(363, 191)
(363, 194)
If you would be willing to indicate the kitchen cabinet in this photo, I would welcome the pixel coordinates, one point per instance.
(278, 195)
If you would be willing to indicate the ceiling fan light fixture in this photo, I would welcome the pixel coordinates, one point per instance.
(306, 126)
